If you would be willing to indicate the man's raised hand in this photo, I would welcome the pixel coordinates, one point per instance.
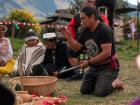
(65, 32)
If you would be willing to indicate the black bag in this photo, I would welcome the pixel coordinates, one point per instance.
(50, 68)
(39, 70)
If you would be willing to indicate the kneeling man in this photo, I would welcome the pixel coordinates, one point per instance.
(99, 42)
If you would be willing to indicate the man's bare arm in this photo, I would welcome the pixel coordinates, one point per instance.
(106, 52)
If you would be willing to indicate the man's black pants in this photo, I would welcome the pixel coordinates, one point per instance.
(98, 81)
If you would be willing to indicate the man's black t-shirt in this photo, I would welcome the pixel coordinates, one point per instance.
(93, 40)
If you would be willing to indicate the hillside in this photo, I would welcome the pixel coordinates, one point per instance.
(39, 8)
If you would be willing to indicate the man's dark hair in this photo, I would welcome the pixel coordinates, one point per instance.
(89, 11)
(6, 96)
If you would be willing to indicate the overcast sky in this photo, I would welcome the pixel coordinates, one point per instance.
(133, 1)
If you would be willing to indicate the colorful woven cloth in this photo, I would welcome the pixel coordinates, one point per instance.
(8, 67)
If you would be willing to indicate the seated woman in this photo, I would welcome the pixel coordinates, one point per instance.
(6, 53)
(31, 54)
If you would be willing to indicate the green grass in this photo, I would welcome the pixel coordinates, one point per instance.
(17, 45)
(126, 50)
(129, 74)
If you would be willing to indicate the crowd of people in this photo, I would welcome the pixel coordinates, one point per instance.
(91, 32)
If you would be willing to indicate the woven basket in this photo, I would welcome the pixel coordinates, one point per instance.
(40, 85)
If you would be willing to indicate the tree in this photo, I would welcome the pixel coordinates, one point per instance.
(121, 4)
(23, 16)
(75, 6)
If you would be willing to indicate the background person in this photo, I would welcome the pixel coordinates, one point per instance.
(6, 53)
(7, 97)
(110, 4)
(133, 28)
(55, 58)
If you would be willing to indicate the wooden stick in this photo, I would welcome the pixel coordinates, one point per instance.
(13, 34)
(21, 76)
(0, 77)
(69, 69)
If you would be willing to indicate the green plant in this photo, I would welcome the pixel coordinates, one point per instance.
(23, 16)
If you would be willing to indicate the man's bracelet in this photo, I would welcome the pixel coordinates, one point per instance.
(89, 62)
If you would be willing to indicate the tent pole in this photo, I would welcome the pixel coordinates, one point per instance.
(13, 32)
(137, 25)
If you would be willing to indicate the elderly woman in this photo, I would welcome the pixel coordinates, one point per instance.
(32, 53)
(6, 53)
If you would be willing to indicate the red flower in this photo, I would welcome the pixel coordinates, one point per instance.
(48, 94)
(57, 102)
(34, 93)
(47, 103)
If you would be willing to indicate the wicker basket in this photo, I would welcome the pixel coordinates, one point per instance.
(40, 85)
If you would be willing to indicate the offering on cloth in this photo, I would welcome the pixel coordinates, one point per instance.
(50, 101)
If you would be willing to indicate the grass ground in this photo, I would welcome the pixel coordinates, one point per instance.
(128, 74)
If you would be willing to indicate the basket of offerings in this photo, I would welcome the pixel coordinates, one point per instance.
(37, 85)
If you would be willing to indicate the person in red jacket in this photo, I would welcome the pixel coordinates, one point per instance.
(103, 14)
(110, 5)
(75, 22)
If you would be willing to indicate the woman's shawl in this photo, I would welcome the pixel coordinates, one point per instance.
(30, 56)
